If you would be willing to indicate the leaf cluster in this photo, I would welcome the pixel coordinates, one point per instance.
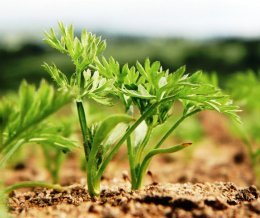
(82, 52)
(144, 85)
(23, 120)
(244, 87)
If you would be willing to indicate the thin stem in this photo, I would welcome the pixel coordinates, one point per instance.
(138, 156)
(53, 161)
(140, 149)
(149, 156)
(131, 160)
(48, 164)
(59, 157)
(84, 129)
(176, 124)
(79, 74)
(93, 182)
(29, 184)
(130, 150)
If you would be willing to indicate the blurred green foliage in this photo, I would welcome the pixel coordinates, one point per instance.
(224, 56)
(244, 88)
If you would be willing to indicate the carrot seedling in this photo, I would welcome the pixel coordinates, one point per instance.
(247, 96)
(153, 91)
(85, 83)
(23, 120)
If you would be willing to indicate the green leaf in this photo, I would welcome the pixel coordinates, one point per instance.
(55, 140)
(107, 126)
(84, 53)
(138, 94)
(115, 135)
(167, 150)
(8, 153)
(57, 75)
(26, 93)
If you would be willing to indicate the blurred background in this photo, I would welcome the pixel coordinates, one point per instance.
(220, 36)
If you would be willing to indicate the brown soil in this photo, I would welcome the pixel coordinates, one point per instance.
(206, 180)
(161, 200)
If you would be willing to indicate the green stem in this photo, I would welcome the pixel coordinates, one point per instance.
(176, 124)
(79, 74)
(130, 150)
(53, 162)
(131, 160)
(84, 129)
(138, 156)
(29, 184)
(93, 182)
(149, 156)
(140, 149)
(58, 164)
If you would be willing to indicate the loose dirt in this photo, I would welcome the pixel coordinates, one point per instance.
(161, 200)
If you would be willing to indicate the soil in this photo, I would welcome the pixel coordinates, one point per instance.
(213, 178)
(159, 200)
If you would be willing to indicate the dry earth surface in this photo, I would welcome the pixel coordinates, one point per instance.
(212, 179)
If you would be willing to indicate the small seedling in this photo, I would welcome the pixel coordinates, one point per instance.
(23, 121)
(153, 91)
(85, 83)
(53, 156)
(247, 96)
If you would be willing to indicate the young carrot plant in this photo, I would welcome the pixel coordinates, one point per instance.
(246, 96)
(98, 139)
(23, 120)
(153, 91)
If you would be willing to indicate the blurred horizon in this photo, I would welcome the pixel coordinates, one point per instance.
(220, 36)
(166, 18)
